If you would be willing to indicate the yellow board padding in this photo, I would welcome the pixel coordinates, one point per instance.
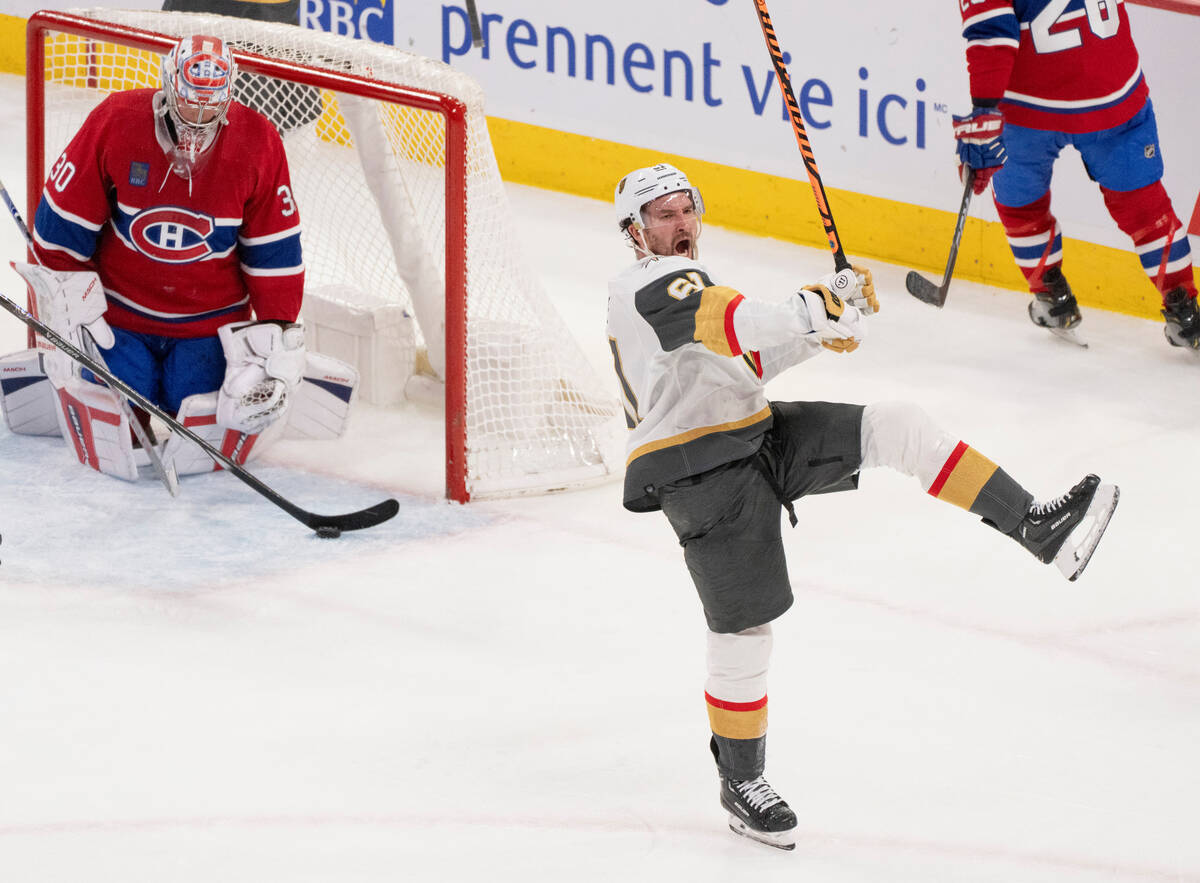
(12, 44)
(415, 135)
(870, 227)
(107, 67)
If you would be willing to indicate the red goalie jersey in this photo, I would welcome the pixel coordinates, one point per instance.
(1058, 65)
(177, 257)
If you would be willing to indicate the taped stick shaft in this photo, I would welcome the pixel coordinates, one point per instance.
(806, 152)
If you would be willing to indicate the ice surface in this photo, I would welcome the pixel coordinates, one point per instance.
(199, 689)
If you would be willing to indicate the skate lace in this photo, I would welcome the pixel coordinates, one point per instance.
(757, 793)
(1049, 506)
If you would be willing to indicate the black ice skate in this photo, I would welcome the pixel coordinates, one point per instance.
(757, 812)
(1055, 308)
(1066, 530)
(1183, 320)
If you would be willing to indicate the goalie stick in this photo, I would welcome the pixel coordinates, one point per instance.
(145, 435)
(324, 525)
(806, 152)
(920, 287)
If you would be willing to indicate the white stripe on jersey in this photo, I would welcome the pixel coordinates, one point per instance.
(270, 237)
(280, 271)
(984, 16)
(1085, 102)
(68, 216)
(136, 307)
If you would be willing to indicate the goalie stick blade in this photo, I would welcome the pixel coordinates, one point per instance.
(924, 290)
(359, 520)
(1075, 554)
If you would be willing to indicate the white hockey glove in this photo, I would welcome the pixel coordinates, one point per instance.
(68, 300)
(855, 286)
(839, 324)
(263, 364)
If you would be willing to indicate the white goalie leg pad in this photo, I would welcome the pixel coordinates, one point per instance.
(199, 414)
(27, 399)
(903, 437)
(737, 664)
(97, 431)
(321, 403)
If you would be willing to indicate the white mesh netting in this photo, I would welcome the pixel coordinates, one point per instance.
(537, 417)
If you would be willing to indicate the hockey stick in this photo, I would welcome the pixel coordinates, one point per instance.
(324, 525)
(145, 435)
(810, 161)
(920, 287)
(476, 31)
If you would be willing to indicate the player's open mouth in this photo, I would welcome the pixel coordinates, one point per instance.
(683, 246)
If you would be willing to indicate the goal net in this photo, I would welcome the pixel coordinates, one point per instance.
(403, 215)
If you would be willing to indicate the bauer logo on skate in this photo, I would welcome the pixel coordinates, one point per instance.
(172, 235)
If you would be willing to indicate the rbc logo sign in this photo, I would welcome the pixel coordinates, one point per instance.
(362, 19)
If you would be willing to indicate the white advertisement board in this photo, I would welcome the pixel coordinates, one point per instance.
(877, 81)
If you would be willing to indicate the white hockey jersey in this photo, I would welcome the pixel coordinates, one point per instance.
(692, 358)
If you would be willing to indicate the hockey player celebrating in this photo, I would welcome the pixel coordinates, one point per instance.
(170, 238)
(1046, 74)
(708, 449)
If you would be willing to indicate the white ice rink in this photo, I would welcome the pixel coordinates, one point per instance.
(200, 690)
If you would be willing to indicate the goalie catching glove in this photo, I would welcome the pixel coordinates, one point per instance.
(263, 364)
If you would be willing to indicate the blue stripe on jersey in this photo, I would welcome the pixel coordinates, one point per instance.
(130, 307)
(53, 229)
(1005, 25)
(278, 255)
(1180, 248)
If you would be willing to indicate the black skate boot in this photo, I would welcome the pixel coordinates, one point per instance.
(1066, 530)
(757, 812)
(1055, 308)
(1183, 320)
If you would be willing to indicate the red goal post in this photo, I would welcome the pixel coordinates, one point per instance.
(508, 428)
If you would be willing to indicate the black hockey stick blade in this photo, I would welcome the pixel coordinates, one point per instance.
(920, 287)
(363, 518)
(325, 525)
(924, 290)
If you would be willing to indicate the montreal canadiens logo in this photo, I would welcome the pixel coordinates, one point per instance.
(172, 235)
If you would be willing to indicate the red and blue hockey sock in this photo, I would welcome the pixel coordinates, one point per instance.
(1034, 237)
(1147, 217)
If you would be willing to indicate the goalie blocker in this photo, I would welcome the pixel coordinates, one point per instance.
(89, 416)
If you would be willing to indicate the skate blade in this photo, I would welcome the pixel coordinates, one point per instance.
(1068, 334)
(1074, 556)
(782, 840)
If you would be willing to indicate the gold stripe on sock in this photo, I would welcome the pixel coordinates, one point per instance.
(967, 479)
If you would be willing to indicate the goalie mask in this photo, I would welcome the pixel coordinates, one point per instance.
(190, 109)
(659, 211)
